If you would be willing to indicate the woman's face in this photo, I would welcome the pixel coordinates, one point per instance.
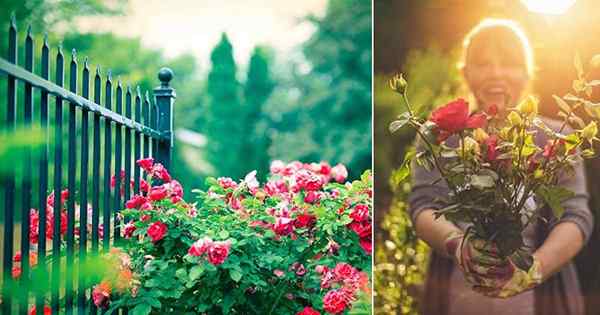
(494, 76)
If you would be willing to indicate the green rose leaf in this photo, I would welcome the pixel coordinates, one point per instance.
(482, 181)
(402, 120)
(141, 309)
(554, 196)
(196, 272)
(235, 275)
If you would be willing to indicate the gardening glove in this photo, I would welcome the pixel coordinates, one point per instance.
(510, 280)
(476, 258)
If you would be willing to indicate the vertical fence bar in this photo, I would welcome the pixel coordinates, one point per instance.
(9, 185)
(137, 144)
(83, 190)
(146, 116)
(40, 296)
(26, 205)
(128, 145)
(118, 157)
(165, 97)
(96, 173)
(107, 164)
(71, 172)
(153, 124)
(57, 186)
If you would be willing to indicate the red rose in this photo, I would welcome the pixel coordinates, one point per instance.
(146, 164)
(360, 213)
(305, 220)
(492, 110)
(101, 294)
(136, 202)
(128, 229)
(217, 253)
(283, 226)
(334, 302)
(144, 186)
(47, 310)
(491, 144)
(325, 169)
(363, 229)
(366, 245)
(312, 197)
(158, 193)
(454, 117)
(157, 231)
(308, 311)
(200, 247)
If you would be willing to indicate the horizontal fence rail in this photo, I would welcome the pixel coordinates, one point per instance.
(62, 198)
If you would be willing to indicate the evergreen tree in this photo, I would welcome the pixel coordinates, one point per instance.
(224, 115)
(258, 88)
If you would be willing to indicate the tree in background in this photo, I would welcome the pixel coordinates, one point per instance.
(224, 115)
(258, 88)
(333, 115)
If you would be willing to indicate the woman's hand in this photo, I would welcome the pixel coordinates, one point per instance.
(510, 280)
(486, 271)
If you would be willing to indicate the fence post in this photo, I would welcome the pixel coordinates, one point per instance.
(165, 97)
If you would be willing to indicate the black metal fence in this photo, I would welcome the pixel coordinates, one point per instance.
(136, 128)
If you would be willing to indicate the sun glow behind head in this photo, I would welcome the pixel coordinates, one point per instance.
(551, 7)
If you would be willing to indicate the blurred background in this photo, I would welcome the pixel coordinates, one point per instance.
(422, 39)
(255, 80)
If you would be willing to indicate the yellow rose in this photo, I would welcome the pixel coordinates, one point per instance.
(514, 118)
(529, 106)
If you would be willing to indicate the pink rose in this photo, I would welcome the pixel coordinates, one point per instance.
(277, 166)
(226, 182)
(312, 197)
(339, 173)
(218, 252)
(101, 294)
(200, 247)
(334, 302)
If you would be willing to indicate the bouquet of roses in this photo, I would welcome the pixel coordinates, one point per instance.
(492, 165)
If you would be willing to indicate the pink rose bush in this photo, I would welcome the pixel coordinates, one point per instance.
(299, 243)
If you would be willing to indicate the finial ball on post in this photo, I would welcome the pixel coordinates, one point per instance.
(165, 75)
